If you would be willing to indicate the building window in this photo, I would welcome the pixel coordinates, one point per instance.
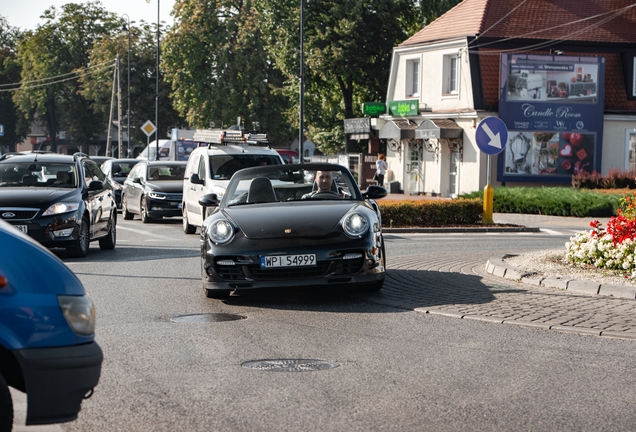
(631, 150)
(412, 78)
(451, 84)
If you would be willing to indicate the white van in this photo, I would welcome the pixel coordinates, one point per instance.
(182, 150)
(211, 166)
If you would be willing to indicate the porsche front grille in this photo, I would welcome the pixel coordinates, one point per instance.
(322, 269)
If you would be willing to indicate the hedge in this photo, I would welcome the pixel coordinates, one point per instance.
(431, 213)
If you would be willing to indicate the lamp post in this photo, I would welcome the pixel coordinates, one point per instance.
(126, 30)
(157, 88)
(302, 82)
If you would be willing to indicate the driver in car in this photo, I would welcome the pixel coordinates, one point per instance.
(324, 182)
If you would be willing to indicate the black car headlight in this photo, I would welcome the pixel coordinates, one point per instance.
(355, 225)
(221, 231)
(59, 208)
(157, 195)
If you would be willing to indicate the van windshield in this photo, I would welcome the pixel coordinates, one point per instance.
(224, 166)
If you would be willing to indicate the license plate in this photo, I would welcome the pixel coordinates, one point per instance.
(179, 205)
(304, 260)
(22, 228)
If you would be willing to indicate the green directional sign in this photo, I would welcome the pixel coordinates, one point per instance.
(373, 108)
(404, 108)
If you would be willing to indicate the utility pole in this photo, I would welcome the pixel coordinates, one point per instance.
(110, 112)
(119, 125)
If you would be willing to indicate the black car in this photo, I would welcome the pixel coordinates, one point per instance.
(278, 227)
(117, 170)
(62, 201)
(153, 190)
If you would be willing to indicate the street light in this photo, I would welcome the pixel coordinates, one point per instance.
(302, 82)
(157, 88)
(126, 30)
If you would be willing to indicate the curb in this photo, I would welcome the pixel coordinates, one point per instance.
(497, 267)
(461, 230)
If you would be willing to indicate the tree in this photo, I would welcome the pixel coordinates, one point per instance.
(15, 124)
(347, 48)
(219, 69)
(61, 48)
(97, 88)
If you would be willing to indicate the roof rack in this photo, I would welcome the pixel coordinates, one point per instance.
(231, 136)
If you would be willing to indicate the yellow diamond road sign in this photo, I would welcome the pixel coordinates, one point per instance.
(148, 128)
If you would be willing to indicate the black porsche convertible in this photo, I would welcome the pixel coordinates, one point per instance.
(292, 225)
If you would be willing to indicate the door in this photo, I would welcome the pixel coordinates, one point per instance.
(413, 170)
(452, 175)
(101, 202)
(134, 190)
(193, 192)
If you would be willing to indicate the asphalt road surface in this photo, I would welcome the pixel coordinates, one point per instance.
(349, 363)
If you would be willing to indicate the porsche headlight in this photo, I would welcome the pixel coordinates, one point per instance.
(355, 225)
(60, 207)
(221, 231)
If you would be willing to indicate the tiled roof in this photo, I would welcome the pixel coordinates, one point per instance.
(581, 20)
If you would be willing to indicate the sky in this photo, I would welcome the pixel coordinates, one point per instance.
(25, 14)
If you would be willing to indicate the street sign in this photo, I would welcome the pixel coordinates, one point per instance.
(491, 135)
(1, 130)
(148, 128)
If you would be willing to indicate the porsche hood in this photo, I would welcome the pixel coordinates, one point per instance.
(286, 220)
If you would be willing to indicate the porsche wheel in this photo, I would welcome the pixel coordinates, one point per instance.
(80, 248)
(145, 218)
(124, 208)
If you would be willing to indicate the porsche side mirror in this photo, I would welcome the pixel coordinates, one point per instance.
(209, 200)
(374, 192)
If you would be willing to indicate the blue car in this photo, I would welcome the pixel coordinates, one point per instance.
(47, 333)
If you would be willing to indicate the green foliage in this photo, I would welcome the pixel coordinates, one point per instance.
(15, 124)
(347, 45)
(552, 201)
(62, 46)
(215, 59)
(97, 88)
(429, 213)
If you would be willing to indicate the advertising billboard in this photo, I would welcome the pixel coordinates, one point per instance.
(553, 109)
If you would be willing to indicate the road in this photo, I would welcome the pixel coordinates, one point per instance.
(381, 367)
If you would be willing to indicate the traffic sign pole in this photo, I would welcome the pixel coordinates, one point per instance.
(491, 137)
(489, 193)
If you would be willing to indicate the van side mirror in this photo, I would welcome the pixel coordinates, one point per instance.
(194, 178)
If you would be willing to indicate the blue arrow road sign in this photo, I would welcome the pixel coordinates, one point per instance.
(491, 135)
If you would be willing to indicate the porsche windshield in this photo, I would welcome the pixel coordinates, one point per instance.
(277, 185)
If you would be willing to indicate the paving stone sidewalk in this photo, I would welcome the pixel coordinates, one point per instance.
(460, 288)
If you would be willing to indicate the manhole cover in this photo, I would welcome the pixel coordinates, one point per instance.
(207, 317)
(290, 365)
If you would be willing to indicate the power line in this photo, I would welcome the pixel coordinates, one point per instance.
(613, 15)
(109, 64)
